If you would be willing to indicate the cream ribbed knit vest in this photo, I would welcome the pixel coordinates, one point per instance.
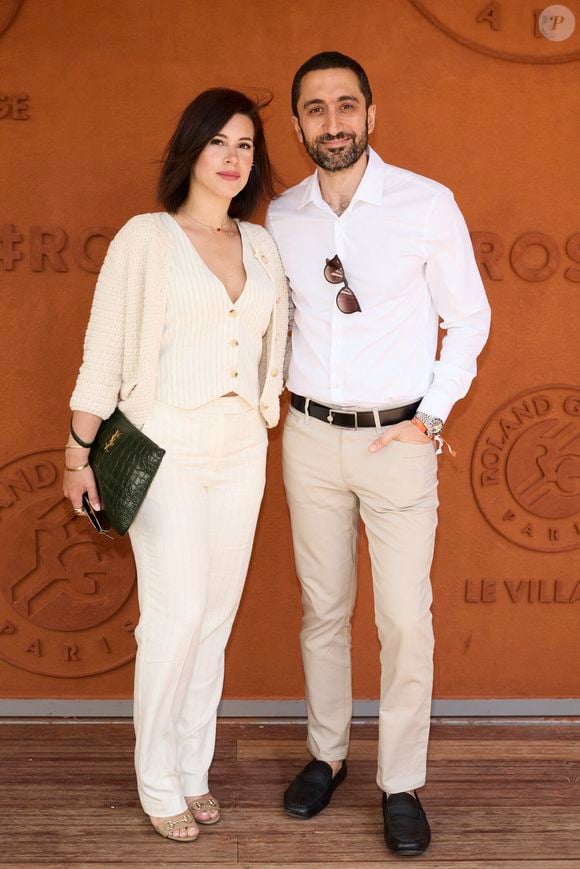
(211, 346)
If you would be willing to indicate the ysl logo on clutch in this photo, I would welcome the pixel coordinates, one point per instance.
(112, 440)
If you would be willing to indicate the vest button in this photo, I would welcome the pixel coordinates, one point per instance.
(274, 373)
(234, 343)
(232, 312)
(233, 373)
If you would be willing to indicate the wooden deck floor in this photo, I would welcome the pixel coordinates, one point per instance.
(498, 797)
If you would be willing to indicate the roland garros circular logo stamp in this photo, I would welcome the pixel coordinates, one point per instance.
(525, 469)
(520, 31)
(8, 12)
(68, 603)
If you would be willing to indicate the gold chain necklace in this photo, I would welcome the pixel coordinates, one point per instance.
(211, 228)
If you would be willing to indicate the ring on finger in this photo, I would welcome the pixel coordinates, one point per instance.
(79, 511)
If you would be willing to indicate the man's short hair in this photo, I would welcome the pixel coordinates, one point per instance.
(330, 60)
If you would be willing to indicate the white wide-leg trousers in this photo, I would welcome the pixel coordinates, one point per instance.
(192, 541)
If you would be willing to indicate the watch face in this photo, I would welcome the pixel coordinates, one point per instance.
(436, 426)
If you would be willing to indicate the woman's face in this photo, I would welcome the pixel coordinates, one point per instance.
(224, 165)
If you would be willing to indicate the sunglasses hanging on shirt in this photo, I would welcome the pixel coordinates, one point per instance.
(346, 301)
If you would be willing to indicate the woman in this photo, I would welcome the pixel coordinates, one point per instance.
(186, 335)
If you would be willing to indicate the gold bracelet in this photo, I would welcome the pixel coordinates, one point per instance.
(74, 447)
(80, 467)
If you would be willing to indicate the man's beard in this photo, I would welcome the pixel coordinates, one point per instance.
(335, 161)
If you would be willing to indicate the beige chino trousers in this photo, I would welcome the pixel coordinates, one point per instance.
(331, 479)
(192, 541)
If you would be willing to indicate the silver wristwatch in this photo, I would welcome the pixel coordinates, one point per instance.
(433, 424)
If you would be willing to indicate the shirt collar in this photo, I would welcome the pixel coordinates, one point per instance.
(370, 188)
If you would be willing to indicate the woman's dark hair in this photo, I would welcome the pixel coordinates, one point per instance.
(200, 122)
(330, 60)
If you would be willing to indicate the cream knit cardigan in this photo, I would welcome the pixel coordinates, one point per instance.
(123, 337)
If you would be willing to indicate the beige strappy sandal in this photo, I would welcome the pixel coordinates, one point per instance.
(166, 826)
(209, 804)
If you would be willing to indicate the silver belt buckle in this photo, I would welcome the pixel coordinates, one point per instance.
(330, 418)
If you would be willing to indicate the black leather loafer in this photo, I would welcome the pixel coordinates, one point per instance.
(407, 831)
(311, 790)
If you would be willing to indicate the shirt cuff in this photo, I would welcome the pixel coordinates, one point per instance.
(436, 402)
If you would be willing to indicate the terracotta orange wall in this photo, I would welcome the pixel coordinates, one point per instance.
(90, 93)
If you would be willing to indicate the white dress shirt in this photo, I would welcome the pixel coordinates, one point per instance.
(408, 258)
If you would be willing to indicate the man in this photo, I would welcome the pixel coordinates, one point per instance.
(375, 255)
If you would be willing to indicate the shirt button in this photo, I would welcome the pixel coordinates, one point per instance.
(274, 373)
(232, 312)
(234, 343)
(233, 373)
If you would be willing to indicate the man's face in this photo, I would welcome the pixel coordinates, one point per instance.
(333, 122)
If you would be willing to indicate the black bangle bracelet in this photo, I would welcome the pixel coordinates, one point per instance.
(80, 442)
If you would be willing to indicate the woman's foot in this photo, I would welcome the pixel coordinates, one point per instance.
(205, 809)
(180, 827)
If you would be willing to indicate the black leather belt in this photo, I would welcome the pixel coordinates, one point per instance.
(354, 418)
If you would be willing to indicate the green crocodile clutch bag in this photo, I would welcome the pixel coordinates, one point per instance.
(124, 462)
